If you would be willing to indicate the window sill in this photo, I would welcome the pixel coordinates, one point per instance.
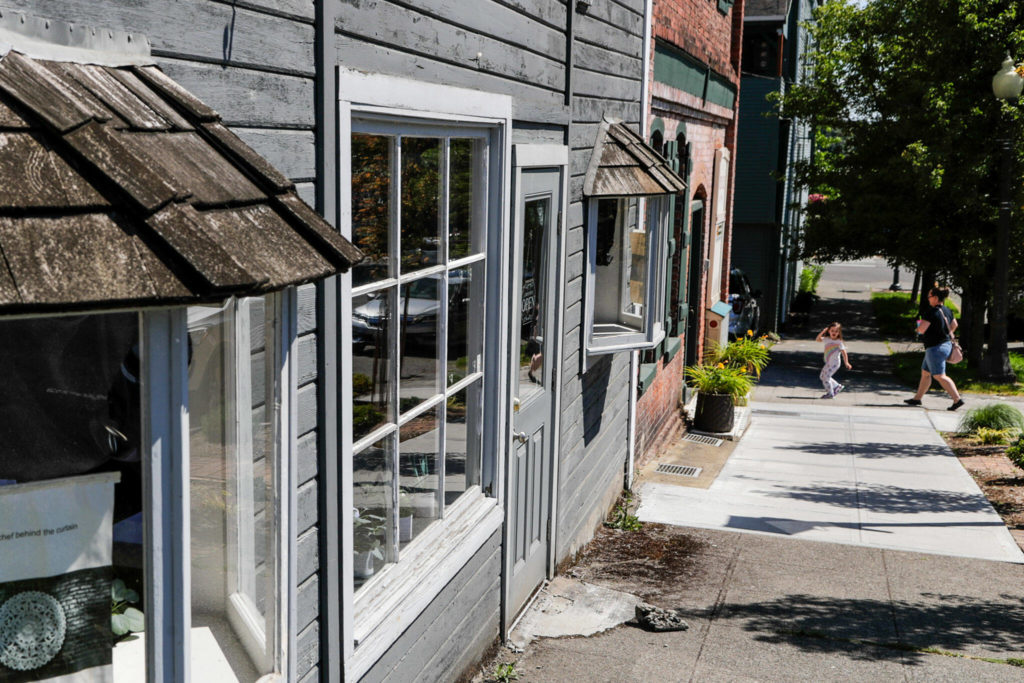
(386, 607)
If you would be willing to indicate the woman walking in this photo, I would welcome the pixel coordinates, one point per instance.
(936, 329)
(834, 350)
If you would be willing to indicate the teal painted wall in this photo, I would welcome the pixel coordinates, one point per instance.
(757, 153)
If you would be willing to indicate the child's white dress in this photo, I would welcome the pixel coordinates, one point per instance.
(833, 357)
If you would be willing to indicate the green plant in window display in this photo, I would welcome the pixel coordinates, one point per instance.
(367, 529)
(124, 620)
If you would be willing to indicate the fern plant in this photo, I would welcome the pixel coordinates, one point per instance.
(720, 378)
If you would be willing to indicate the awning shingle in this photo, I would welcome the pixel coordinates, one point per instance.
(119, 188)
(623, 165)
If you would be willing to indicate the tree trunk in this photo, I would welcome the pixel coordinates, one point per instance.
(917, 284)
(972, 323)
(927, 282)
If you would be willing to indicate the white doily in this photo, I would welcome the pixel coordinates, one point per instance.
(32, 629)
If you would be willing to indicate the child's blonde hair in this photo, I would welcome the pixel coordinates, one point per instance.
(838, 325)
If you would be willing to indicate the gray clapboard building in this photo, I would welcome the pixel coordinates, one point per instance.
(450, 419)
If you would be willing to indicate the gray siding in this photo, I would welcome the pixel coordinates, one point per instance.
(512, 47)
(607, 70)
(455, 630)
(252, 61)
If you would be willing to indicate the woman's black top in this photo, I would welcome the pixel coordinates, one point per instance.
(937, 331)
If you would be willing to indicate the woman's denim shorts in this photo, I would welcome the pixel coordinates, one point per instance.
(935, 358)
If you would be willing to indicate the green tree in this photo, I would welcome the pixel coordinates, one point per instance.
(899, 96)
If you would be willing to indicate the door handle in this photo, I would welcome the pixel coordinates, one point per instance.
(521, 437)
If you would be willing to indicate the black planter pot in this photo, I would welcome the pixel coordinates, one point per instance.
(714, 413)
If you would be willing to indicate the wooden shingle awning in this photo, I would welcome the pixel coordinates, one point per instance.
(623, 165)
(118, 188)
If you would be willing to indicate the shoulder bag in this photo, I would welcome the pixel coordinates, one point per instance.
(957, 354)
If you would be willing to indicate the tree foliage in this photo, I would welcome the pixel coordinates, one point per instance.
(898, 94)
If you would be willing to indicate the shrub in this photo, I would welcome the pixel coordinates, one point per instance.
(809, 278)
(992, 416)
(994, 436)
(1016, 453)
(361, 384)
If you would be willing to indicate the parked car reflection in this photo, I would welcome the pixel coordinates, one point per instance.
(746, 312)
(419, 307)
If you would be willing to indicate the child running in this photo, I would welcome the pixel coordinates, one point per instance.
(834, 347)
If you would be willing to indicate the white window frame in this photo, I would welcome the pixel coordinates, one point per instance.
(649, 332)
(166, 469)
(394, 598)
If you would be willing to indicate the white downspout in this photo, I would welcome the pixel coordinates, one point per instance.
(634, 356)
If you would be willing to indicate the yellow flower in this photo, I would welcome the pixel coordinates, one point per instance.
(720, 366)
(761, 345)
(750, 333)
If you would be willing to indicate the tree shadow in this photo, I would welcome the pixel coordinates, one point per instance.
(945, 621)
(885, 498)
(872, 450)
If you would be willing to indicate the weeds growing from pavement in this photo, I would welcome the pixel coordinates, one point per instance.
(622, 518)
(503, 673)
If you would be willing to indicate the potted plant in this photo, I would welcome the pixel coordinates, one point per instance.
(405, 516)
(747, 352)
(367, 530)
(718, 386)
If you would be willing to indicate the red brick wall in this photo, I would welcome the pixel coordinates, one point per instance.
(697, 27)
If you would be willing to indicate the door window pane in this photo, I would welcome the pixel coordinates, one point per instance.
(372, 359)
(421, 199)
(372, 206)
(419, 447)
(420, 309)
(373, 512)
(536, 218)
(463, 414)
(232, 444)
(466, 289)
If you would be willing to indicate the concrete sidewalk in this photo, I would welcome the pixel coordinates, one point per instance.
(867, 552)
(879, 477)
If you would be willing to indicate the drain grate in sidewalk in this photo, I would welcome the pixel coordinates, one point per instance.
(681, 470)
(700, 438)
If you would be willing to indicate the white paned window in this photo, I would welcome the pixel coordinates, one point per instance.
(423, 337)
(626, 237)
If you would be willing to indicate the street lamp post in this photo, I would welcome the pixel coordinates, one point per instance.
(1006, 85)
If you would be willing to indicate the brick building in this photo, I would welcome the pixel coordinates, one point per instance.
(695, 57)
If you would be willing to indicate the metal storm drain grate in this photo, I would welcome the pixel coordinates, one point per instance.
(700, 438)
(680, 470)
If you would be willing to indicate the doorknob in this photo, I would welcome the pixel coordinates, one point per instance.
(521, 437)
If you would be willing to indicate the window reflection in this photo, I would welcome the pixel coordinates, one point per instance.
(420, 444)
(372, 513)
(464, 229)
(421, 199)
(536, 217)
(420, 307)
(232, 448)
(371, 362)
(371, 206)
(462, 441)
(465, 321)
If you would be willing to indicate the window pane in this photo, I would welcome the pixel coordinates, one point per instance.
(372, 483)
(371, 206)
(465, 205)
(231, 417)
(421, 199)
(70, 405)
(371, 362)
(465, 321)
(463, 416)
(417, 476)
(420, 309)
(635, 258)
(536, 218)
